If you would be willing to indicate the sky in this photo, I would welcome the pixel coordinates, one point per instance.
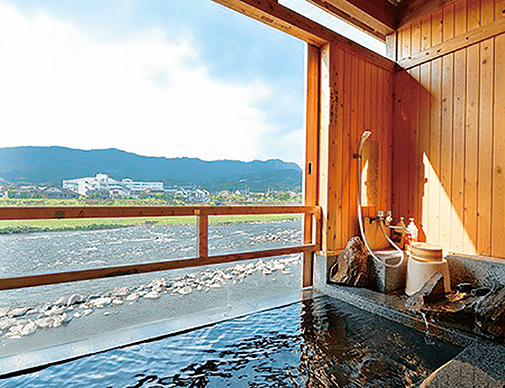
(169, 78)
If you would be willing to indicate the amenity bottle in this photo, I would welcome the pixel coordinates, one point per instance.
(412, 229)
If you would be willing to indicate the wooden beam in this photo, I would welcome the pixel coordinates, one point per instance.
(89, 274)
(42, 213)
(460, 42)
(375, 17)
(392, 46)
(282, 18)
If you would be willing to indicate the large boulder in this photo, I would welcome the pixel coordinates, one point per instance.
(490, 313)
(351, 266)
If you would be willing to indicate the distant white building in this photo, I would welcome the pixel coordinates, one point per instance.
(142, 186)
(103, 183)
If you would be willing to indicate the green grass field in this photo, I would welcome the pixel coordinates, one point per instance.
(106, 223)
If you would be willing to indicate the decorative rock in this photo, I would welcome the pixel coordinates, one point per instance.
(481, 291)
(490, 313)
(351, 265)
(18, 312)
(464, 287)
(75, 299)
(431, 290)
(152, 295)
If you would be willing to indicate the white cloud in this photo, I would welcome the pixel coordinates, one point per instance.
(145, 94)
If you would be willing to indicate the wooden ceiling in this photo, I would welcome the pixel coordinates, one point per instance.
(380, 18)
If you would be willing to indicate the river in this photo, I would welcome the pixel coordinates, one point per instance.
(47, 252)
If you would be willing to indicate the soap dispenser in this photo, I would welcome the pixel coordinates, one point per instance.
(412, 229)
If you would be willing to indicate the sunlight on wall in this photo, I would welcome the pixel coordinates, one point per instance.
(440, 221)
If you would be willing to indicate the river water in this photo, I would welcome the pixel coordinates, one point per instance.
(315, 343)
(48, 252)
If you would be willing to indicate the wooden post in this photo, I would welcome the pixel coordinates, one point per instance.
(312, 154)
(331, 148)
(203, 234)
(308, 257)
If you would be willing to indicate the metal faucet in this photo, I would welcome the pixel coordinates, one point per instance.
(382, 216)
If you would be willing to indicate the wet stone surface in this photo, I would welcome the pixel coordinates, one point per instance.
(431, 290)
(490, 313)
(478, 310)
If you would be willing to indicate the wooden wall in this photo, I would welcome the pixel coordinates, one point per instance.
(356, 94)
(456, 19)
(449, 129)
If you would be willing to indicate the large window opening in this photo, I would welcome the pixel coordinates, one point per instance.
(165, 105)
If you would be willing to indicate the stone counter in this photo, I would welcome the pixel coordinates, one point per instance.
(480, 364)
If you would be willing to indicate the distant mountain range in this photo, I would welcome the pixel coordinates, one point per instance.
(51, 165)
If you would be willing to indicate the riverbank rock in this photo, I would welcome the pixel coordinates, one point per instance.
(6, 323)
(152, 295)
(75, 299)
(102, 302)
(351, 266)
(132, 297)
(490, 313)
(431, 290)
(18, 312)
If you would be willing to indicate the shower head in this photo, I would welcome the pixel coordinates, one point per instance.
(362, 142)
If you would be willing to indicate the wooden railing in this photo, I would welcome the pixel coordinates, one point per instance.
(311, 239)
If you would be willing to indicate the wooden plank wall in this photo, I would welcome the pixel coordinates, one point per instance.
(456, 19)
(358, 93)
(449, 132)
